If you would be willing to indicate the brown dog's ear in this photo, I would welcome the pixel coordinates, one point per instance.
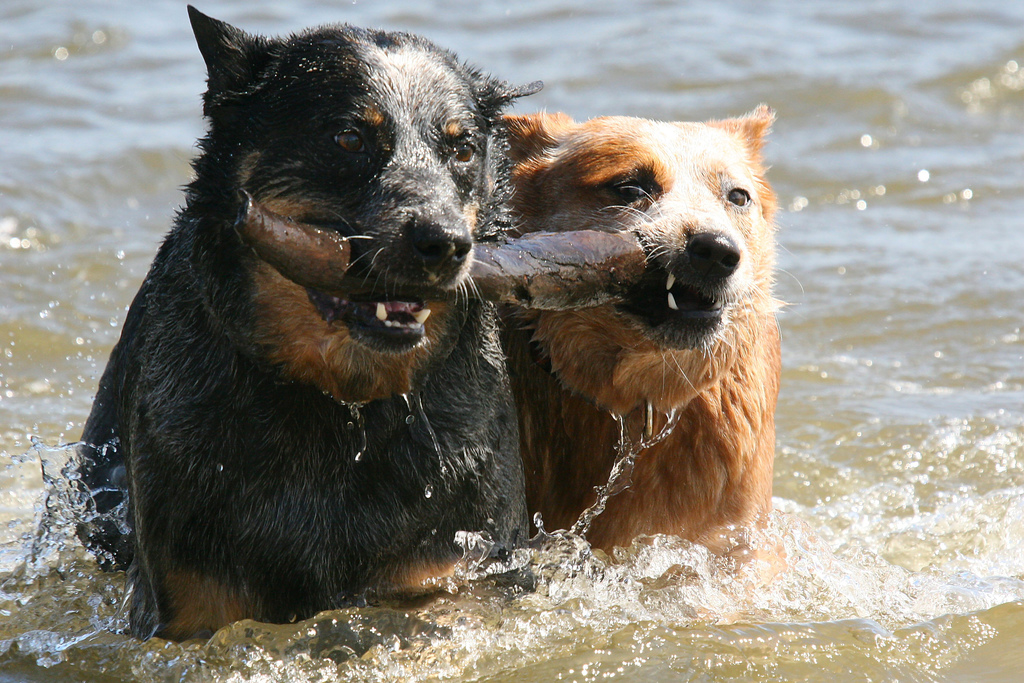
(751, 128)
(530, 135)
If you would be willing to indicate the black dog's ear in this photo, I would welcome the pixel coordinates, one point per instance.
(233, 58)
(494, 95)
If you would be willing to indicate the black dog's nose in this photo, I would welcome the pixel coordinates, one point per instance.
(438, 247)
(713, 255)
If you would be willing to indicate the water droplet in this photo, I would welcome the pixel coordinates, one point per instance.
(430, 431)
(359, 456)
(410, 418)
(220, 467)
(428, 492)
(923, 175)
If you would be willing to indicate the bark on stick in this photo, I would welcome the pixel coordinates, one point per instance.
(559, 270)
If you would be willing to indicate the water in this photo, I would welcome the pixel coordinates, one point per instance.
(899, 480)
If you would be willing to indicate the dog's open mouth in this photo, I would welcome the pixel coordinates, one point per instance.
(675, 313)
(393, 324)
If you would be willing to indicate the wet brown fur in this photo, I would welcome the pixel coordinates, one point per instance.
(572, 370)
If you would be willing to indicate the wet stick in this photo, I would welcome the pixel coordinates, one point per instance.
(305, 254)
(549, 271)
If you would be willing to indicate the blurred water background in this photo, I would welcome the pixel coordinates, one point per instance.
(898, 158)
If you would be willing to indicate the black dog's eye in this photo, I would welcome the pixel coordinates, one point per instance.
(739, 196)
(464, 152)
(350, 141)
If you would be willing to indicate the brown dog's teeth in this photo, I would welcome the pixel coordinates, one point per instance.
(421, 316)
(382, 312)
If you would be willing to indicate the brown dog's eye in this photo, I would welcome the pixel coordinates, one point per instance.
(739, 196)
(639, 186)
(350, 141)
(629, 191)
(463, 153)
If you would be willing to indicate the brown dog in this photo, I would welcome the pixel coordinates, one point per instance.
(696, 337)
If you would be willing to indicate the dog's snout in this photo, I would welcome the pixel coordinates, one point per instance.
(436, 246)
(713, 255)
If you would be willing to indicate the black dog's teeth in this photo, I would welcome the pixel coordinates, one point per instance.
(396, 313)
(388, 314)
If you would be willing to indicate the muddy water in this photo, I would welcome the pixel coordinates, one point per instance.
(899, 161)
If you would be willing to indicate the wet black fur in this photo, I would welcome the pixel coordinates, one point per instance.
(242, 476)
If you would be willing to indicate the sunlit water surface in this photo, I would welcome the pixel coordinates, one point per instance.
(899, 161)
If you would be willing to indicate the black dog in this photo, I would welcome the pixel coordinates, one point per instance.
(284, 449)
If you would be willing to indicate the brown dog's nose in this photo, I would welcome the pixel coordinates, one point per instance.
(713, 255)
(438, 247)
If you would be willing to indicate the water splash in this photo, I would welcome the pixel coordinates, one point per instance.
(515, 615)
(626, 452)
(554, 606)
(55, 604)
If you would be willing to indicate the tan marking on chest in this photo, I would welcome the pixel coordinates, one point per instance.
(308, 349)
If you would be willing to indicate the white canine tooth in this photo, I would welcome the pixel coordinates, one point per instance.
(382, 313)
(421, 317)
(671, 281)
(672, 302)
